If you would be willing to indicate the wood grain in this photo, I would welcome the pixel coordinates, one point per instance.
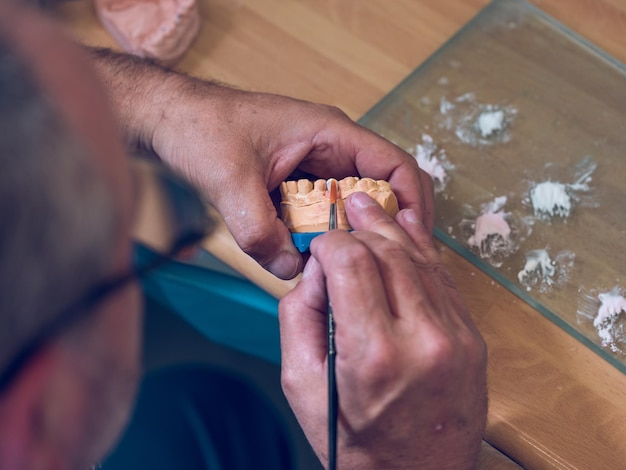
(553, 403)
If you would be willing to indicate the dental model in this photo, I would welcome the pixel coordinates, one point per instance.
(157, 29)
(305, 204)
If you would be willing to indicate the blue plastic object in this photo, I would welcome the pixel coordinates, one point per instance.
(228, 310)
(303, 240)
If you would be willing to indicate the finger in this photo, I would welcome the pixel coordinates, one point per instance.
(408, 229)
(380, 159)
(303, 341)
(364, 213)
(302, 320)
(252, 219)
(428, 192)
(424, 242)
(405, 291)
(419, 235)
(425, 308)
(372, 156)
(355, 288)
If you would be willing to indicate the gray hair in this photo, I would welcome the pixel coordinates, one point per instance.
(58, 220)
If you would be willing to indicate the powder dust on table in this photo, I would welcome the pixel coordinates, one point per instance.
(605, 310)
(545, 273)
(475, 123)
(609, 321)
(433, 160)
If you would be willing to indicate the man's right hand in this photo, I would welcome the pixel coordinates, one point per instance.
(410, 364)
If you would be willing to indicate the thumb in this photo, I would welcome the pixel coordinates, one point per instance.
(303, 323)
(252, 219)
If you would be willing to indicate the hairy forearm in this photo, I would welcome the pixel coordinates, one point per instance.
(143, 93)
(138, 90)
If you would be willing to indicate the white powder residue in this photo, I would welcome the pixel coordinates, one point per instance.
(492, 233)
(445, 106)
(538, 265)
(550, 199)
(466, 98)
(490, 122)
(474, 123)
(612, 304)
(609, 321)
(554, 199)
(433, 161)
(545, 273)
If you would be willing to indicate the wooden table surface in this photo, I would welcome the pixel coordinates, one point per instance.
(553, 403)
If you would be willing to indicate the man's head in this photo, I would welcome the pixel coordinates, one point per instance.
(65, 210)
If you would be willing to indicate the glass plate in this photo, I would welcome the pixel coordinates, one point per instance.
(519, 118)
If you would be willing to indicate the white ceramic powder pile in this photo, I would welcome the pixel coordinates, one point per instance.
(551, 199)
(474, 123)
(490, 122)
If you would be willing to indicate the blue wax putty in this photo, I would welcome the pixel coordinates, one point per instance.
(303, 240)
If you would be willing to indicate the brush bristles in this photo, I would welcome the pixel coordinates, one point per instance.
(332, 189)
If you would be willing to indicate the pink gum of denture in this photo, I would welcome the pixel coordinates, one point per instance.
(161, 30)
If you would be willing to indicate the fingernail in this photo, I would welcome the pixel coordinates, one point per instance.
(284, 266)
(308, 268)
(411, 217)
(362, 200)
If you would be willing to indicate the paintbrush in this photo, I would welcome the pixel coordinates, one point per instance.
(332, 385)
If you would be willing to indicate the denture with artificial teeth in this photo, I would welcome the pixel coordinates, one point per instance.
(305, 205)
(158, 29)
